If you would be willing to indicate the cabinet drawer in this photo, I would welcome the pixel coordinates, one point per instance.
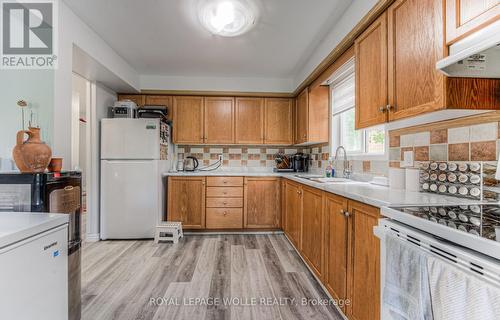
(223, 192)
(224, 181)
(222, 218)
(224, 202)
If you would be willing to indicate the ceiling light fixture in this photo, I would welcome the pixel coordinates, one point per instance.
(227, 18)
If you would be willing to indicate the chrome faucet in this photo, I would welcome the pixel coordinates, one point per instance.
(346, 171)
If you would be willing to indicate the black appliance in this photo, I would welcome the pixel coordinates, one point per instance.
(51, 192)
(155, 112)
(300, 162)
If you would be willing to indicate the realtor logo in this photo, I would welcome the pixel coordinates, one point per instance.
(28, 34)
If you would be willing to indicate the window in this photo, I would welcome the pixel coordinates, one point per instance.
(360, 142)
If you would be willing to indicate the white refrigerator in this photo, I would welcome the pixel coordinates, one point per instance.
(134, 154)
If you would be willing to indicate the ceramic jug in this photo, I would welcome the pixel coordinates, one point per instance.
(31, 155)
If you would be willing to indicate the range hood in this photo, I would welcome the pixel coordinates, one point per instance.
(476, 56)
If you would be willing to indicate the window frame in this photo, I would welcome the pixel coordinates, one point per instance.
(342, 74)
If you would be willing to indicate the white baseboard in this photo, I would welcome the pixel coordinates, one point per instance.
(92, 237)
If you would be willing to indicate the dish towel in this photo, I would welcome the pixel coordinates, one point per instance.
(406, 293)
(457, 294)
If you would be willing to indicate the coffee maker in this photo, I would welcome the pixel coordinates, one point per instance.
(300, 162)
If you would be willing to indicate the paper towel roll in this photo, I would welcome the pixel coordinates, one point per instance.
(396, 178)
(412, 177)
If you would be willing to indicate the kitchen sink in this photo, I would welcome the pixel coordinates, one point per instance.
(323, 179)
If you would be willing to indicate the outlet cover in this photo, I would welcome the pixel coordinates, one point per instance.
(408, 159)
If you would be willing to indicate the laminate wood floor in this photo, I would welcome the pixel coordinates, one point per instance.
(202, 277)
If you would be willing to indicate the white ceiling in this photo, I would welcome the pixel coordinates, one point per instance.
(163, 37)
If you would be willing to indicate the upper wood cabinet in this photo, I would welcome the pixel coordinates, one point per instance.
(464, 17)
(278, 121)
(312, 228)
(188, 120)
(262, 199)
(166, 101)
(415, 43)
(219, 120)
(250, 120)
(311, 120)
(186, 201)
(139, 99)
(371, 74)
(335, 246)
(293, 212)
(363, 268)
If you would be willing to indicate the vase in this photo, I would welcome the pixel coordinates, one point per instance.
(31, 155)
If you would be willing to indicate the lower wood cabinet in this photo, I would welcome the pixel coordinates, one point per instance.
(336, 240)
(186, 201)
(312, 228)
(293, 212)
(363, 268)
(262, 207)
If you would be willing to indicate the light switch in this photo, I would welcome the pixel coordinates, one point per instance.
(408, 159)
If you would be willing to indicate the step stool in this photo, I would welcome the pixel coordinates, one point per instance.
(168, 231)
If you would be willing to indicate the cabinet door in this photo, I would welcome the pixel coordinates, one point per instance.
(139, 99)
(250, 120)
(278, 121)
(415, 42)
(302, 117)
(363, 269)
(166, 101)
(293, 210)
(188, 120)
(317, 118)
(371, 74)
(219, 120)
(186, 201)
(336, 238)
(464, 17)
(312, 228)
(262, 203)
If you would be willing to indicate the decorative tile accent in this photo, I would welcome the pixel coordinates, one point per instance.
(366, 166)
(459, 135)
(483, 151)
(439, 136)
(403, 150)
(438, 152)
(394, 164)
(422, 153)
(422, 139)
(407, 140)
(394, 141)
(458, 152)
(395, 154)
(484, 132)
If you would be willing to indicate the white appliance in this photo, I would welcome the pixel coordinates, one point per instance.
(476, 56)
(461, 237)
(134, 153)
(124, 109)
(33, 266)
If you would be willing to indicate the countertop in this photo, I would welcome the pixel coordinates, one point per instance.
(17, 226)
(378, 196)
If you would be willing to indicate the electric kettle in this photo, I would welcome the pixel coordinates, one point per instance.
(190, 164)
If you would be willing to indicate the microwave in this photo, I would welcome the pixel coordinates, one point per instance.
(123, 109)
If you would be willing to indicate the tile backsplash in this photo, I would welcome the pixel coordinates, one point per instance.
(236, 156)
(478, 142)
(440, 141)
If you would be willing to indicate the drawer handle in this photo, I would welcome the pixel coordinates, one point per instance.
(224, 192)
(224, 203)
(224, 181)
(225, 213)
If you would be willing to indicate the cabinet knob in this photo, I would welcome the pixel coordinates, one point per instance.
(224, 203)
(382, 108)
(342, 211)
(347, 214)
(225, 181)
(389, 107)
(225, 213)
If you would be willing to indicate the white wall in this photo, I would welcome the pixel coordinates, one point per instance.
(155, 82)
(73, 31)
(356, 11)
(34, 86)
(101, 97)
